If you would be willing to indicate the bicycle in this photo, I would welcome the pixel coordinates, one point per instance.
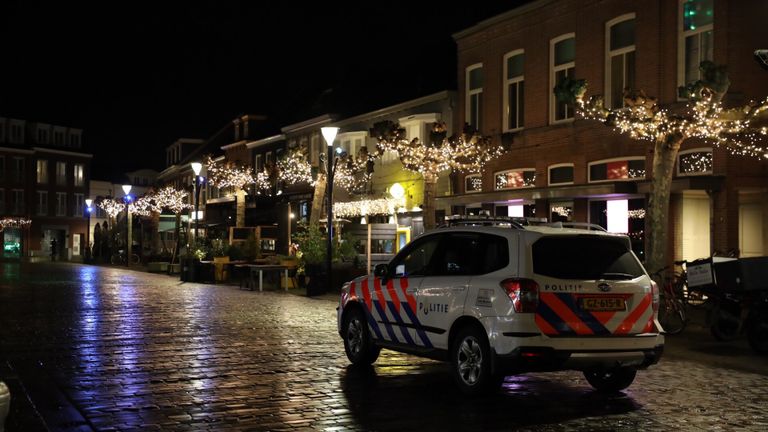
(119, 258)
(672, 316)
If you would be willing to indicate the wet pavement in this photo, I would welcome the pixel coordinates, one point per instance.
(94, 348)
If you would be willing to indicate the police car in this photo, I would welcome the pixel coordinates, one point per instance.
(495, 301)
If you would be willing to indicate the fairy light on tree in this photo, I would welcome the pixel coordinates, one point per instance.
(468, 153)
(295, 168)
(231, 175)
(111, 207)
(703, 117)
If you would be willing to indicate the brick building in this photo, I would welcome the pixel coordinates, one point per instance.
(44, 177)
(577, 170)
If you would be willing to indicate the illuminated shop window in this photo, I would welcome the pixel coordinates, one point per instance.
(513, 179)
(473, 183)
(617, 169)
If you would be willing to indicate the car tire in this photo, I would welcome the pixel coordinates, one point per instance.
(471, 363)
(358, 344)
(610, 380)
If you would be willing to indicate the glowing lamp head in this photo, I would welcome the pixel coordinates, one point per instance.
(88, 202)
(397, 191)
(126, 189)
(196, 167)
(329, 133)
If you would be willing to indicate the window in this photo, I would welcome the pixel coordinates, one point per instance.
(474, 108)
(42, 171)
(2, 131)
(42, 203)
(415, 259)
(617, 169)
(18, 169)
(268, 159)
(2, 201)
(563, 59)
(18, 201)
(696, 38)
(258, 163)
(42, 136)
(517, 178)
(514, 94)
(620, 60)
(61, 203)
(564, 258)
(694, 162)
(61, 173)
(16, 134)
(473, 183)
(58, 138)
(561, 211)
(561, 174)
(2, 167)
(466, 254)
(74, 140)
(79, 204)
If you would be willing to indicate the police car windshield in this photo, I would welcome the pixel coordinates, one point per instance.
(585, 257)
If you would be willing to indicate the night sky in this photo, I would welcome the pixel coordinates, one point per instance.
(136, 76)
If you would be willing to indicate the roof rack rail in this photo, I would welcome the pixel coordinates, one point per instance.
(583, 225)
(485, 220)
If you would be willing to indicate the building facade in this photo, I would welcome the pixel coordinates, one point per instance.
(44, 178)
(568, 169)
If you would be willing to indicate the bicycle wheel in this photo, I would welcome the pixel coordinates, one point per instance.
(672, 315)
(135, 259)
(114, 259)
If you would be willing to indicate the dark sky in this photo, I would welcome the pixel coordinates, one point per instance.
(136, 76)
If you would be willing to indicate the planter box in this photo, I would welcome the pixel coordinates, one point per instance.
(157, 267)
(174, 268)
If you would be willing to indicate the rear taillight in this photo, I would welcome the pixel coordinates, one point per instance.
(655, 297)
(524, 294)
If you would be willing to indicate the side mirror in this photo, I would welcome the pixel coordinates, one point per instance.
(381, 271)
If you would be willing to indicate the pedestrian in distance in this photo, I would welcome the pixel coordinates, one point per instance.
(53, 249)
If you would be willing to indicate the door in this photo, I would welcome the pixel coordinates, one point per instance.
(751, 230)
(695, 227)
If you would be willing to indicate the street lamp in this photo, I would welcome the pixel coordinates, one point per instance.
(196, 167)
(88, 211)
(127, 198)
(329, 133)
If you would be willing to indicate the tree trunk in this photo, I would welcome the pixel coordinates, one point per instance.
(155, 233)
(317, 200)
(177, 235)
(430, 189)
(240, 201)
(665, 153)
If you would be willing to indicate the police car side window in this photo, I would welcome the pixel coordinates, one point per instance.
(466, 254)
(416, 259)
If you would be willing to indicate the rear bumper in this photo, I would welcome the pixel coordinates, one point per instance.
(531, 359)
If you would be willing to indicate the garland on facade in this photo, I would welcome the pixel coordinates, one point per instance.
(380, 206)
(228, 174)
(9, 222)
(354, 173)
(468, 152)
(153, 202)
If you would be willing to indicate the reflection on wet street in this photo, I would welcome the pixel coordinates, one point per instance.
(111, 349)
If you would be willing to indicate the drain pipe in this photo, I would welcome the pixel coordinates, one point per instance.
(5, 404)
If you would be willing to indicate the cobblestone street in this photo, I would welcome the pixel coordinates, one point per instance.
(99, 348)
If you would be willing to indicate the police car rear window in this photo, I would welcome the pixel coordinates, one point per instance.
(585, 257)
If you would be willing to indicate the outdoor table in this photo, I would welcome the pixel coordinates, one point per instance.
(261, 268)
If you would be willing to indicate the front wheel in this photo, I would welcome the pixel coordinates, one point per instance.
(471, 363)
(610, 380)
(358, 345)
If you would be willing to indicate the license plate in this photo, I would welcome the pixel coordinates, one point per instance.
(602, 304)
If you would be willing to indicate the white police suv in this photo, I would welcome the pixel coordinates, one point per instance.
(497, 300)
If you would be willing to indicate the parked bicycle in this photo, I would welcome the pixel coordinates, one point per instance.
(672, 314)
(120, 258)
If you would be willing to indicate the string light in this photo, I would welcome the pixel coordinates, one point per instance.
(228, 174)
(636, 214)
(463, 153)
(698, 162)
(111, 207)
(9, 222)
(365, 207)
(704, 118)
(295, 168)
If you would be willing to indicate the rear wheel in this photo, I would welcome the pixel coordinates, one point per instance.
(610, 380)
(358, 345)
(672, 315)
(725, 324)
(471, 363)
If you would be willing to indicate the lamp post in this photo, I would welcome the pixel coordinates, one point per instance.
(329, 133)
(196, 167)
(129, 238)
(88, 211)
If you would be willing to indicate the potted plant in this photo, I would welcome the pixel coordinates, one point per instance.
(220, 259)
(311, 253)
